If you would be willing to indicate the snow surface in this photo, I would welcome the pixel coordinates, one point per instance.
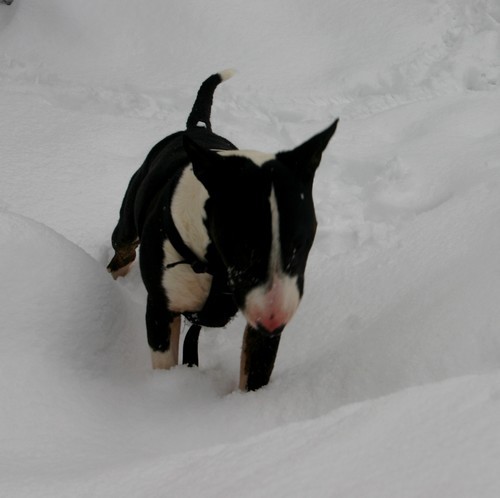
(387, 382)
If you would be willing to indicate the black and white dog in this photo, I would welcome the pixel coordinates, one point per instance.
(220, 229)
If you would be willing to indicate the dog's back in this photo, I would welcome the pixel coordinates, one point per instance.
(163, 166)
(159, 174)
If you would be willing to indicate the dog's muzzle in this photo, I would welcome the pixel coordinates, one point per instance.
(270, 307)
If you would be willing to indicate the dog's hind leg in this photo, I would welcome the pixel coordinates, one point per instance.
(257, 358)
(163, 329)
(124, 256)
(125, 238)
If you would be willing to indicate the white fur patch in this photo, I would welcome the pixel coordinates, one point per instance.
(187, 290)
(273, 304)
(163, 360)
(188, 212)
(167, 359)
(259, 158)
(275, 264)
(226, 74)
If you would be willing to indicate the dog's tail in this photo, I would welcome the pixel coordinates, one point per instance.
(200, 114)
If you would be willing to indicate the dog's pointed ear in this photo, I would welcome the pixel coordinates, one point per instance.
(203, 161)
(305, 158)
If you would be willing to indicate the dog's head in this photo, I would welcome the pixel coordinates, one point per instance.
(261, 219)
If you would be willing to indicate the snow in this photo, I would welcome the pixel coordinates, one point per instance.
(387, 381)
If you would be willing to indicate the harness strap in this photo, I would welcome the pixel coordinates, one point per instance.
(197, 266)
(219, 306)
(173, 235)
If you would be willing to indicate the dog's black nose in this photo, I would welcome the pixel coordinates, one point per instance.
(268, 333)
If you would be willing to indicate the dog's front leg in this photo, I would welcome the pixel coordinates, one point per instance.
(163, 329)
(257, 358)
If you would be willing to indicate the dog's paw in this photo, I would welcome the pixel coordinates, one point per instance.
(120, 265)
(118, 272)
(163, 360)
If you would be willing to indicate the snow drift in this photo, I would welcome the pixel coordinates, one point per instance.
(386, 382)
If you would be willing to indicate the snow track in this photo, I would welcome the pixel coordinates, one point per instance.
(387, 381)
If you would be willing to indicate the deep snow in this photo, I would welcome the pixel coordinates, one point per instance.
(387, 381)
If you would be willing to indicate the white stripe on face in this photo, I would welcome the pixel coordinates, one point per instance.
(273, 304)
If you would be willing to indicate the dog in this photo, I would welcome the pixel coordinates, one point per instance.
(220, 230)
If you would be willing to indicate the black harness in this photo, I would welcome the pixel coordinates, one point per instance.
(220, 306)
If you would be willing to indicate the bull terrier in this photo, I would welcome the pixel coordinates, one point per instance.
(220, 230)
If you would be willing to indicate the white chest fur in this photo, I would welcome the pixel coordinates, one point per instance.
(185, 289)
